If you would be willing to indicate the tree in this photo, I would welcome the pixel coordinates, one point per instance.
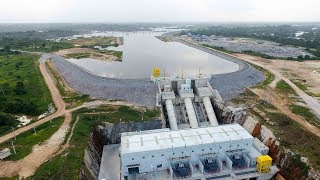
(7, 48)
(20, 88)
(306, 57)
(4, 88)
(300, 58)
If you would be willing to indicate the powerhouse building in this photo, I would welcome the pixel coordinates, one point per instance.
(192, 144)
(226, 151)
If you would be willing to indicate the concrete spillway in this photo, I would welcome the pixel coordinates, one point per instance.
(171, 115)
(191, 113)
(210, 112)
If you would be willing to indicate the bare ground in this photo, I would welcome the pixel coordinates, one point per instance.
(306, 70)
(276, 67)
(94, 54)
(282, 105)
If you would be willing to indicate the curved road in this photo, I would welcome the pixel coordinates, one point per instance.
(52, 146)
(56, 97)
(311, 102)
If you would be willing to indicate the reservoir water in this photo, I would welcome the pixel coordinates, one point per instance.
(142, 51)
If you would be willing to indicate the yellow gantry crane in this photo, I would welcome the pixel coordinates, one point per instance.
(156, 72)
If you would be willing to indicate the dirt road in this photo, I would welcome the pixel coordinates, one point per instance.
(56, 97)
(311, 102)
(282, 105)
(41, 153)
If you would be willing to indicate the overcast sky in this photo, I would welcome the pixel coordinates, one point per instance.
(29, 11)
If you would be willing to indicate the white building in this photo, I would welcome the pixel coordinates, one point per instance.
(220, 151)
(195, 146)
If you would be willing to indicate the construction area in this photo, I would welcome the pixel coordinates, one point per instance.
(191, 144)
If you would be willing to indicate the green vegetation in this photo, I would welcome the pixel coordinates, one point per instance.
(6, 51)
(222, 49)
(282, 34)
(245, 97)
(289, 133)
(305, 113)
(22, 87)
(79, 55)
(303, 166)
(91, 42)
(292, 136)
(269, 77)
(27, 140)
(35, 41)
(67, 165)
(7, 121)
(115, 53)
(46, 46)
(164, 38)
(253, 53)
(300, 84)
(72, 98)
(284, 87)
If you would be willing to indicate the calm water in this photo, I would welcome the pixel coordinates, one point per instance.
(142, 51)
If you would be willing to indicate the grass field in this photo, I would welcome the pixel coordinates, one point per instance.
(79, 55)
(44, 46)
(269, 77)
(300, 84)
(25, 141)
(305, 113)
(284, 87)
(67, 165)
(22, 88)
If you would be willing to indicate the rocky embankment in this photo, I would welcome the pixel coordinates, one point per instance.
(108, 133)
(231, 84)
(140, 91)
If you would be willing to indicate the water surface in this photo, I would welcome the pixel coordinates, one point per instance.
(142, 51)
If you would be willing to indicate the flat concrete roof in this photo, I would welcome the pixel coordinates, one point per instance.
(204, 91)
(165, 139)
(110, 163)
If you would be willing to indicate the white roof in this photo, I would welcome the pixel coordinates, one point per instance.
(164, 138)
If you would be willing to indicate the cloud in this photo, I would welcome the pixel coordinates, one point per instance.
(158, 10)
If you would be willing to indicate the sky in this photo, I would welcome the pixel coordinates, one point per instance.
(111, 11)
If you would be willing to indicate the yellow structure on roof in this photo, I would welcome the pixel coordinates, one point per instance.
(156, 72)
(264, 163)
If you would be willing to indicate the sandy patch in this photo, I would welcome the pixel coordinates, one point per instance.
(78, 53)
